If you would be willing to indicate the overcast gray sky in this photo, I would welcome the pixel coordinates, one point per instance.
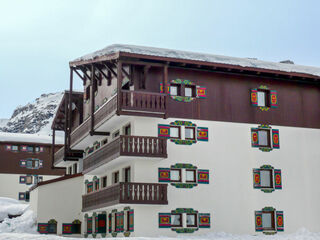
(38, 38)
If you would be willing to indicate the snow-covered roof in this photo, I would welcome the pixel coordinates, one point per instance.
(29, 138)
(202, 57)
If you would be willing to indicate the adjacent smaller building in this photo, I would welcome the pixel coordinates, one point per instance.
(25, 160)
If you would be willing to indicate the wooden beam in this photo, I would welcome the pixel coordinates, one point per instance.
(119, 85)
(70, 108)
(83, 78)
(126, 73)
(92, 98)
(110, 69)
(52, 147)
(165, 88)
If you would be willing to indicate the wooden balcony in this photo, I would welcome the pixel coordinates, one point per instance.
(136, 146)
(61, 156)
(131, 103)
(134, 193)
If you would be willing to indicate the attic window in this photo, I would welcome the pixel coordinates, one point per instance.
(87, 93)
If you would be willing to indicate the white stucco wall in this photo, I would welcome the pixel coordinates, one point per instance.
(11, 187)
(230, 197)
(60, 200)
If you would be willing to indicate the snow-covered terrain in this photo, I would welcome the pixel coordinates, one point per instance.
(3, 122)
(35, 117)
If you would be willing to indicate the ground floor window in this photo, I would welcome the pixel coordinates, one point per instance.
(176, 220)
(76, 227)
(52, 226)
(269, 220)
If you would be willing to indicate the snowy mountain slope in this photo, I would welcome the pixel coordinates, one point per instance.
(3, 122)
(35, 117)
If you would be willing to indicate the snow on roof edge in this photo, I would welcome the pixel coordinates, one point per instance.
(29, 138)
(170, 53)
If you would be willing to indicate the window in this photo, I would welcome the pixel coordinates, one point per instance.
(266, 178)
(263, 97)
(175, 175)
(75, 168)
(27, 194)
(190, 133)
(70, 170)
(29, 180)
(116, 134)
(175, 90)
(76, 227)
(268, 220)
(176, 220)
(190, 175)
(104, 141)
(127, 174)
(190, 91)
(104, 182)
(127, 130)
(115, 177)
(96, 184)
(30, 149)
(175, 132)
(14, 148)
(191, 220)
(87, 93)
(52, 227)
(264, 138)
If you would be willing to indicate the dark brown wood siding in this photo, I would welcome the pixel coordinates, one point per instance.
(10, 161)
(228, 99)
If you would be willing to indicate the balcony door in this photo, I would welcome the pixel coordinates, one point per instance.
(127, 175)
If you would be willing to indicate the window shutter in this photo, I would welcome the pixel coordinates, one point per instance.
(280, 224)
(258, 221)
(131, 220)
(273, 99)
(277, 179)
(8, 147)
(164, 220)
(163, 130)
(117, 222)
(110, 223)
(204, 220)
(202, 134)
(22, 179)
(275, 139)
(254, 137)
(254, 97)
(43, 228)
(89, 225)
(121, 215)
(23, 163)
(66, 228)
(203, 176)
(162, 88)
(256, 178)
(96, 224)
(164, 174)
(201, 92)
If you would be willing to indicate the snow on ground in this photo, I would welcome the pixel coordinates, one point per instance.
(302, 234)
(11, 206)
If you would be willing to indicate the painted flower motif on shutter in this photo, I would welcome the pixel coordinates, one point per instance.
(273, 99)
(164, 220)
(277, 179)
(66, 228)
(131, 220)
(254, 137)
(280, 224)
(275, 139)
(201, 92)
(110, 222)
(204, 220)
(43, 228)
(258, 221)
(256, 178)
(254, 97)
(203, 176)
(164, 174)
(164, 130)
(89, 225)
(202, 134)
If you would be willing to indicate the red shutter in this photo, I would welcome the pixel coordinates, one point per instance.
(280, 223)
(204, 220)
(43, 228)
(258, 221)
(201, 92)
(254, 97)
(163, 130)
(164, 220)
(277, 179)
(164, 174)
(273, 99)
(256, 178)
(203, 176)
(275, 139)
(254, 137)
(202, 134)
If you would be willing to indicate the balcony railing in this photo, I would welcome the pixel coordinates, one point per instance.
(126, 146)
(72, 155)
(135, 193)
(58, 156)
(104, 112)
(143, 101)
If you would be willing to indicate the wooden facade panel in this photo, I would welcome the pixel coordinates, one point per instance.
(10, 161)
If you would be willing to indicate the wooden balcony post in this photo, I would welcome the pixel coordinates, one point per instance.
(119, 85)
(92, 99)
(165, 86)
(52, 146)
(70, 107)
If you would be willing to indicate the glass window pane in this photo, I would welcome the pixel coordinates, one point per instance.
(176, 220)
(189, 133)
(175, 175)
(190, 176)
(265, 178)
(174, 132)
(174, 90)
(191, 219)
(263, 138)
(266, 220)
(261, 99)
(29, 180)
(188, 92)
(14, 148)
